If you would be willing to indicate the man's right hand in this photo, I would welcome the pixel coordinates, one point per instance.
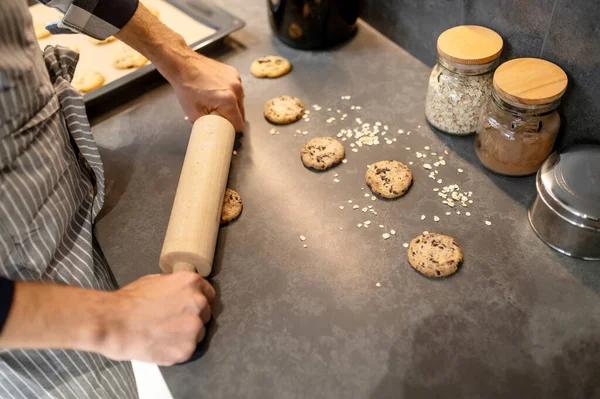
(158, 318)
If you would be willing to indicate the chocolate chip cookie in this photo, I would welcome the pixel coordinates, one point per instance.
(388, 179)
(322, 153)
(434, 255)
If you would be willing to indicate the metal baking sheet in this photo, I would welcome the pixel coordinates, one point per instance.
(200, 22)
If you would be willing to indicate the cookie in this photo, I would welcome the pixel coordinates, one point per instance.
(322, 153)
(283, 110)
(97, 42)
(129, 59)
(85, 81)
(232, 206)
(40, 30)
(388, 179)
(270, 66)
(434, 255)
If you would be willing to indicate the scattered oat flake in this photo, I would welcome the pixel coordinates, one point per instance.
(381, 226)
(427, 166)
(305, 246)
(436, 189)
(439, 181)
(446, 152)
(341, 206)
(302, 238)
(367, 195)
(344, 160)
(448, 213)
(349, 201)
(359, 225)
(426, 148)
(411, 163)
(385, 236)
(354, 150)
(407, 148)
(378, 284)
(393, 232)
(468, 213)
(425, 232)
(405, 245)
(373, 198)
(186, 118)
(423, 217)
(459, 170)
(365, 209)
(355, 207)
(436, 219)
(488, 222)
(234, 152)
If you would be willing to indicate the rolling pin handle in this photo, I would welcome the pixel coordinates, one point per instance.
(184, 266)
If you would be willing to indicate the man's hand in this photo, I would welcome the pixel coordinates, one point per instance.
(202, 85)
(158, 318)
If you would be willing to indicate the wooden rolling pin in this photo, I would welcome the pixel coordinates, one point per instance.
(194, 224)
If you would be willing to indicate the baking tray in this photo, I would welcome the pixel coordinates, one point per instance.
(217, 24)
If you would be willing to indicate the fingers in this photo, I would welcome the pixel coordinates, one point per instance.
(230, 110)
(201, 334)
(205, 314)
(206, 289)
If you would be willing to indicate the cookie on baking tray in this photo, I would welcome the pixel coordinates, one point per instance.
(322, 153)
(129, 59)
(40, 30)
(86, 81)
(270, 66)
(283, 110)
(434, 255)
(232, 206)
(388, 179)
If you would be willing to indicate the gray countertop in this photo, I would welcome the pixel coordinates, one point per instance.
(517, 320)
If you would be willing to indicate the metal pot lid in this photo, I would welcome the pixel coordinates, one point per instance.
(569, 183)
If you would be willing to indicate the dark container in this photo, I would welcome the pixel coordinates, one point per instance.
(313, 24)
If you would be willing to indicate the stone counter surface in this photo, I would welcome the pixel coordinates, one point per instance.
(347, 317)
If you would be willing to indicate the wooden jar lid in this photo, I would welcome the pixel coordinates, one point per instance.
(469, 45)
(530, 81)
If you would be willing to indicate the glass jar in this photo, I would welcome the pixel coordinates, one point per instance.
(519, 125)
(515, 140)
(457, 94)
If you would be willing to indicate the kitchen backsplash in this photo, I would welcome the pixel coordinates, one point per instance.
(566, 32)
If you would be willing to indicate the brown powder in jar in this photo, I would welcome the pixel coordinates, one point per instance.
(517, 152)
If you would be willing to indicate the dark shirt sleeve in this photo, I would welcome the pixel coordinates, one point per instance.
(96, 18)
(7, 290)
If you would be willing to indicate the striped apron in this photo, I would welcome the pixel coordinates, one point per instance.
(51, 190)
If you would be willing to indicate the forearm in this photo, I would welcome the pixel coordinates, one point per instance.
(165, 48)
(55, 316)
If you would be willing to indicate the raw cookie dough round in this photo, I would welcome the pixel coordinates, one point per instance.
(322, 153)
(388, 179)
(434, 255)
(40, 30)
(97, 42)
(129, 59)
(270, 66)
(85, 81)
(283, 110)
(232, 206)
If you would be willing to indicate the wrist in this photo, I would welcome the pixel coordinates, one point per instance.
(96, 331)
(173, 60)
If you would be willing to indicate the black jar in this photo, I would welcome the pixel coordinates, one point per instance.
(313, 24)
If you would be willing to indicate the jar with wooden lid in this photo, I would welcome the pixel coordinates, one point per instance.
(519, 125)
(461, 81)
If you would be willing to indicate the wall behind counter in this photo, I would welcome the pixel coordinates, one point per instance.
(566, 32)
